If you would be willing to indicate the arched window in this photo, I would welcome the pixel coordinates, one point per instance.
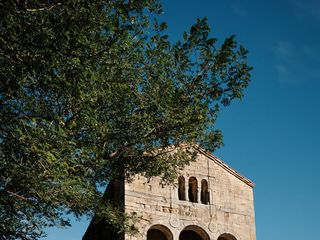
(181, 188)
(159, 232)
(226, 236)
(193, 232)
(204, 192)
(193, 189)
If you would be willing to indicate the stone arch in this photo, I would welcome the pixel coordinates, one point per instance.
(181, 188)
(193, 232)
(204, 192)
(227, 236)
(159, 232)
(193, 189)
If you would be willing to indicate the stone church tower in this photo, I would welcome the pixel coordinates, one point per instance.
(210, 201)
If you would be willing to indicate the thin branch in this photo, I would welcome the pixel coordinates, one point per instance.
(44, 8)
(18, 196)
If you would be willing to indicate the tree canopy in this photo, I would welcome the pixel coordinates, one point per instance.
(87, 89)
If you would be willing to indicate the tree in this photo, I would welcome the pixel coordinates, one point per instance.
(87, 89)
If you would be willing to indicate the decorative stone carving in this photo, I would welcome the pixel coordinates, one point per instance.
(174, 222)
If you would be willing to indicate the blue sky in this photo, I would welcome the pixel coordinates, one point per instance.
(272, 136)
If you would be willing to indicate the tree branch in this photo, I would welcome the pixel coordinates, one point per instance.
(44, 8)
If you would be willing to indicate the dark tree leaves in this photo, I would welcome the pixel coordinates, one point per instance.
(90, 91)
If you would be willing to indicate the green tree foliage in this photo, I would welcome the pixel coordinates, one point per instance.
(88, 89)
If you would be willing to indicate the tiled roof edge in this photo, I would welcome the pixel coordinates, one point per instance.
(223, 165)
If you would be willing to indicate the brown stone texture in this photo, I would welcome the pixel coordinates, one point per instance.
(218, 205)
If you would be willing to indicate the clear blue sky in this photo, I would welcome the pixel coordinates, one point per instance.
(272, 136)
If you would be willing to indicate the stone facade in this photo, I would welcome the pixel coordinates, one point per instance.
(210, 201)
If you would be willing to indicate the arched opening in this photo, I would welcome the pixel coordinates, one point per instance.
(159, 232)
(181, 188)
(189, 235)
(226, 236)
(193, 233)
(204, 192)
(193, 189)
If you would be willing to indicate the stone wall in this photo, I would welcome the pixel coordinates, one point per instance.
(229, 213)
